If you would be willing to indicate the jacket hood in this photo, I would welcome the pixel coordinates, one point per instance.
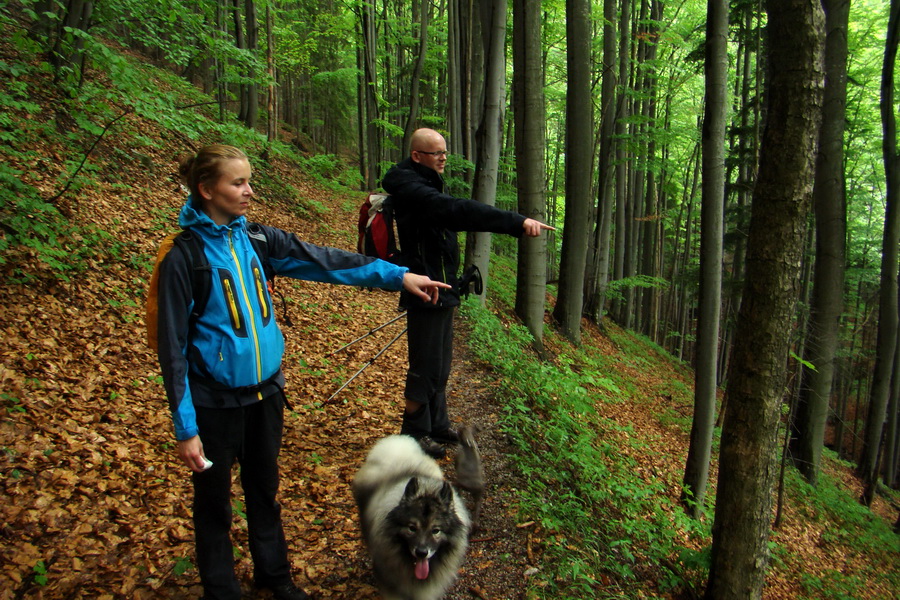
(192, 216)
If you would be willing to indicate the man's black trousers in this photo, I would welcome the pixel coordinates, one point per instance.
(430, 340)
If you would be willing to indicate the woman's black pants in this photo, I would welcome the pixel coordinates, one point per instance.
(250, 435)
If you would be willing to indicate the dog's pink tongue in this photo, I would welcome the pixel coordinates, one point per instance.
(422, 569)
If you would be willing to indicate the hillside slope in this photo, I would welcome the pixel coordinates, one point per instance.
(99, 503)
(98, 506)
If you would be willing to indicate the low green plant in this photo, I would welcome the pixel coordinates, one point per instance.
(238, 508)
(182, 566)
(833, 585)
(40, 573)
(13, 404)
(616, 288)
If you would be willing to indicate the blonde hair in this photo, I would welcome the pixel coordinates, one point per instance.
(205, 166)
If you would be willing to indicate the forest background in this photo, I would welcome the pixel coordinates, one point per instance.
(638, 129)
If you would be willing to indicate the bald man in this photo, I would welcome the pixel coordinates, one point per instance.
(428, 221)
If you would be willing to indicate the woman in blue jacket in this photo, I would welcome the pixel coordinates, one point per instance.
(222, 368)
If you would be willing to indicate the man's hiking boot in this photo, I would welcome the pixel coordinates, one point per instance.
(448, 436)
(432, 448)
(289, 591)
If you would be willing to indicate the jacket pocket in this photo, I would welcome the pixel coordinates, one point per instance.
(259, 286)
(232, 305)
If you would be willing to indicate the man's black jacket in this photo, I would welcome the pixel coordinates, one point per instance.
(428, 220)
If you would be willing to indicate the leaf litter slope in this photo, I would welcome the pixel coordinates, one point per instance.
(98, 506)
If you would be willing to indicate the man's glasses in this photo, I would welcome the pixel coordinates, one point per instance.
(435, 153)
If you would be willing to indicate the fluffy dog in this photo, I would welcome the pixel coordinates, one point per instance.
(414, 523)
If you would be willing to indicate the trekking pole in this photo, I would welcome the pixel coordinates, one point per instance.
(371, 360)
(365, 335)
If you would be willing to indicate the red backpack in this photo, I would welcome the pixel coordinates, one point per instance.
(377, 231)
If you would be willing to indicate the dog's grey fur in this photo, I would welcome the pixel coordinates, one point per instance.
(469, 472)
(414, 523)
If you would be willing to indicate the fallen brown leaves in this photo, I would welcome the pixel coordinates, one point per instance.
(97, 505)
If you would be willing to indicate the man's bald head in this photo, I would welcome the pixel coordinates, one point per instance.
(429, 148)
(422, 138)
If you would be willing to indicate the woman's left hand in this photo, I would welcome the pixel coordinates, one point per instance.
(423, 287)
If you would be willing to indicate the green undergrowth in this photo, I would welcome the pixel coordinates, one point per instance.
(607, 532)
(606, 529)
(113, 132)
(848, 525)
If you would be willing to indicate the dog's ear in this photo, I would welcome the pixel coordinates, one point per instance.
(411, 488)
(446, 493)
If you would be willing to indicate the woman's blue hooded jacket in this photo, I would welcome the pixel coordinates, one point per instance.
(231, 354)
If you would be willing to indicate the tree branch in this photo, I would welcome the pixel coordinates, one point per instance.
(85, 157)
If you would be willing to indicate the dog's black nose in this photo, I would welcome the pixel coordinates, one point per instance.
(421, 552)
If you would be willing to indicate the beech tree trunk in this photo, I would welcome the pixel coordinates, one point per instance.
(490, 132)
(598, 279)
(528, 98)
(778, 222)
(622, 161)
(373, 144)
(830, 207)
(579, 159)
(240, 42)
(251, 88)
(271, 102)
(67, 53)
(887, 313)
(696, 473)
(415, 84)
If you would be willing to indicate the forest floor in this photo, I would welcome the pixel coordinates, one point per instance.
(98, 505)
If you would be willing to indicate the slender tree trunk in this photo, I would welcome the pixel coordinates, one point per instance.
(778, 222)
(490, 132)
(686, 282)
(222, 34)
(456, 84)
(650, 295)
(240, 42)
(696, 472)
(271, 106)
(831, 224)
(528, 86)
(889, 472)
(595, 290)
(67, 53)
(622, 107)
(579, 159)
(252, 88)
(887, 314)
(361, 94)
(373, 146)
(748, 155)
(413, 117)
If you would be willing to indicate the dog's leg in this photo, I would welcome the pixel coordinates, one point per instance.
(469, 470)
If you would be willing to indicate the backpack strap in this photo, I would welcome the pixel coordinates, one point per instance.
(260, 243)
(192, 247)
